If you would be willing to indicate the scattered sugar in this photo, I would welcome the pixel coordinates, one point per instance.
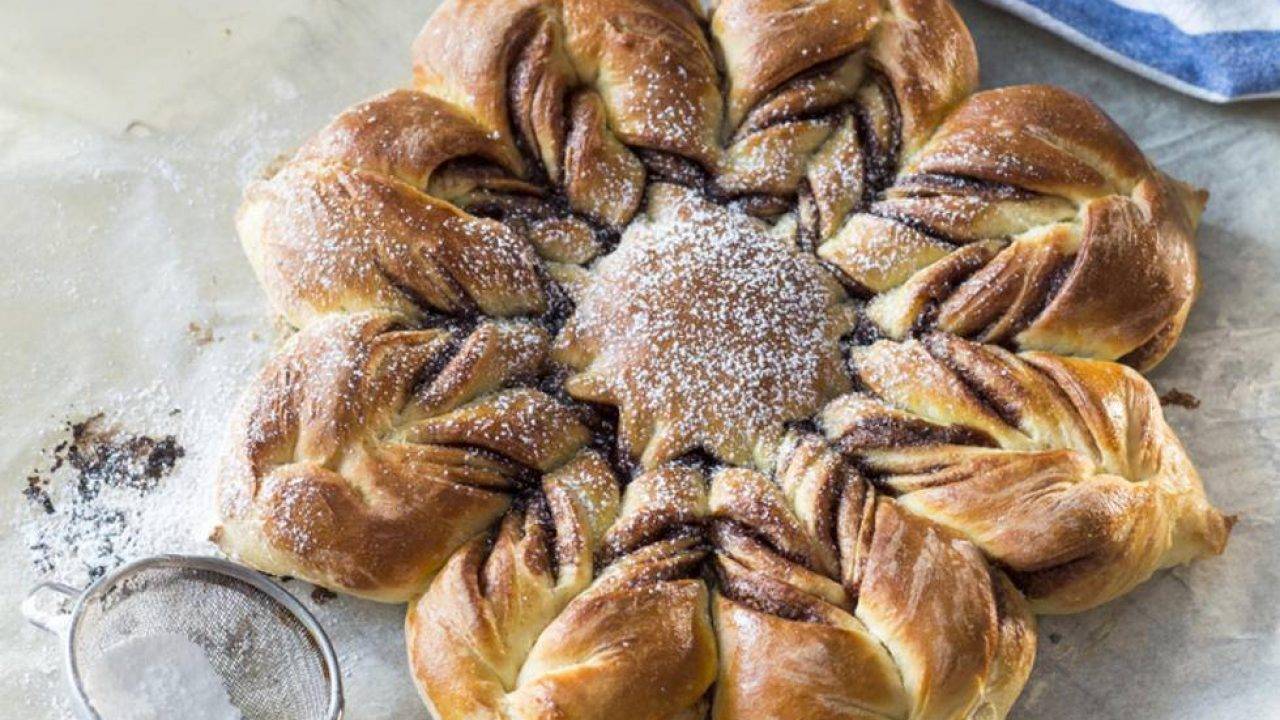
(87, 501)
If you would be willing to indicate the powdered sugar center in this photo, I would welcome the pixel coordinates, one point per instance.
(706, 330)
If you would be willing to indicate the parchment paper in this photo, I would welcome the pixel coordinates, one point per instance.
(128, 128)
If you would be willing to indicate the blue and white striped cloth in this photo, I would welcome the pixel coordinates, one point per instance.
(1216, 50)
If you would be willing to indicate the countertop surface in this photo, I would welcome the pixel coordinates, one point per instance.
(127, 130)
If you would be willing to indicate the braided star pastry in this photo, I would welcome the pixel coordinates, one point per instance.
(741, 363)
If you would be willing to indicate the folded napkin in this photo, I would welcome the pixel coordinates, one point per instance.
(1216, 50)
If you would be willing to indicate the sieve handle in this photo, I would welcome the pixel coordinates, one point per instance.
(49, 616)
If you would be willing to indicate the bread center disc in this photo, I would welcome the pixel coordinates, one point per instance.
(706, 331)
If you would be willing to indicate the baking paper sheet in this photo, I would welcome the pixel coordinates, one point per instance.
(128, 128)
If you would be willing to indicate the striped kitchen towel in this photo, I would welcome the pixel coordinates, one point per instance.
(1216, 50)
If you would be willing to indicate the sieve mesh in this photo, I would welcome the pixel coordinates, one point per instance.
(271, 664)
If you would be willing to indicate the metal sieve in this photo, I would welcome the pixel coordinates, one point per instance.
(273, 658)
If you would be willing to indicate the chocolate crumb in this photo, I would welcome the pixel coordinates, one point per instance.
(104, 457)
(37, 493)
(1055, 638)
(95, 458)
(1180, 398)
(201, 335)
(322, 596)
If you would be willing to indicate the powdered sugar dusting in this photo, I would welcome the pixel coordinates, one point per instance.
(329, 239)
(91, 493)
(707, 330)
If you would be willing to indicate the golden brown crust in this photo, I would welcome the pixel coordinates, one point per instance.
(652, 65)
(910, 622)
(324, 238)
(1090, 248)
(507, 632)
(928, 56)
(328, 480)
(767, 42)
(949, 665)
(1062, 470)
(680, 217)
(774, 667)
(604, 180)
(470, 69)
(407, 135)
(1036, 137)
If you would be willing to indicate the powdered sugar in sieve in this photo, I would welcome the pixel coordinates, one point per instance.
(196, 637)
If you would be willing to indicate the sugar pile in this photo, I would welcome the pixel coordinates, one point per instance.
(158, 677)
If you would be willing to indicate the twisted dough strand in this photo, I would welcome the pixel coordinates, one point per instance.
(359, 469)
(1029, 219)
(517, 626)
(1062, 470)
